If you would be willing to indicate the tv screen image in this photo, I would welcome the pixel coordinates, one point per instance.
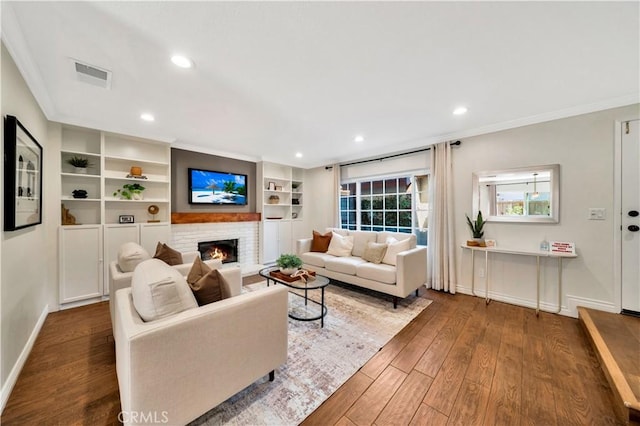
(209, 187)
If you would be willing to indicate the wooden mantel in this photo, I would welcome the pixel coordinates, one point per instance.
(180, 218)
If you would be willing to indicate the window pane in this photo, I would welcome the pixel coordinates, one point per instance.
(377, 187)
(404, 202)
(405, 230)
(344, 202)
(404, 219)
(377, 218)
(378, 228)
(365, 218)
(365, 188)
(391, 219)
(365, 228)
(391, 202)
(352, 217)
(352, 188)
(376, 203)
(351, 227)
(365, 203)
(386, 228)
(352, 203)
(343, 217)
(403, 184)
(391, 186)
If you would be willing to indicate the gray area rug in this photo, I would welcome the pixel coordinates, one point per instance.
(357, 325)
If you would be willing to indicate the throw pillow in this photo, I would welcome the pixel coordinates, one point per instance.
(210, 288)
(130, 255)
(198, 270)
(158, 291)
(340, 246)
(374, 252)
(393, 248)
(167, 254)
(320, 242)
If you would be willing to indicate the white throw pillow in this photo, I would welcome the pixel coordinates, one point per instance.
(158, 290)
(340, 246)
(393, 248)
(130, 255)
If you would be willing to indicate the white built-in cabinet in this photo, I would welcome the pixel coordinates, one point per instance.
(87, 247)
(280, 200)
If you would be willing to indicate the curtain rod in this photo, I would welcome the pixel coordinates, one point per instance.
(393, 156)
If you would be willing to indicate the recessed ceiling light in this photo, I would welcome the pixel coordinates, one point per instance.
(460, 110)
(182, 61)
(298, 154)
(358, 138)
(147, 117)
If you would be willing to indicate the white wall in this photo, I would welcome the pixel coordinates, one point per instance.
(584, 147)
(27, 279)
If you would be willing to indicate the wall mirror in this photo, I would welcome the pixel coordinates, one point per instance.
(523, 194)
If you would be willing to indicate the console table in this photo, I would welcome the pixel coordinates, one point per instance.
(538, 254)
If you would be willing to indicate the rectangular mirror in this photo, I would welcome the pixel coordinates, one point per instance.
(523, 194)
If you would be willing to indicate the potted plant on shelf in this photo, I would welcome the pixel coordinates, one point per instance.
(289, 263)
(130, 191)
(476, 230)
(80, 164)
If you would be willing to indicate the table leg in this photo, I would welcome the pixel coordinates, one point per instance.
(322, 308)
(537, 285)
(559, 285)
(305, 297)
(486, 278)
(473, 272)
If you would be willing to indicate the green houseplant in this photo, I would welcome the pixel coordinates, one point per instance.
(289, 263)
(476, 226)
(130, 191)
(80, 163)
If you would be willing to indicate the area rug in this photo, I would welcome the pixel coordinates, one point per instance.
(357, 325)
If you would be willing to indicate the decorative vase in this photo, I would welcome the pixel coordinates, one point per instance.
(80, 170)
(274, 199)
(288, 271)
(136, 195)
(136, 171)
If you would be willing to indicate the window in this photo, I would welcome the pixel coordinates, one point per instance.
(386, 204)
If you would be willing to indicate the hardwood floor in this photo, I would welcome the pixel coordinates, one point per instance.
(458, 362)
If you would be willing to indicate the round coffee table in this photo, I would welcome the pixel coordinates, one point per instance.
(312, 310)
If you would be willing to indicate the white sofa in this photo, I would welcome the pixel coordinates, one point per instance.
(174, 369)
(409, 273)
(119, 279)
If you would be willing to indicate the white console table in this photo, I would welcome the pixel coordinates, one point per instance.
(538, 254)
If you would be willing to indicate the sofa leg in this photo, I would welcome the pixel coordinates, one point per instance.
(272, 375)
(395, 302)
(417, 292)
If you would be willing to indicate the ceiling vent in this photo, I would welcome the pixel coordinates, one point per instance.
(91, 74)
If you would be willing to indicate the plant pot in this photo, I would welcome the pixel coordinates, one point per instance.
(288, 271)
(80, 170)
(136, 195)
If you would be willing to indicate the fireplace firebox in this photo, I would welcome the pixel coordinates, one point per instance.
(225, 250)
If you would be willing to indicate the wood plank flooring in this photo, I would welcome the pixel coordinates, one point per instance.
(458, 362)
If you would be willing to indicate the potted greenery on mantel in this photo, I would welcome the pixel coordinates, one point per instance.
(476, 230)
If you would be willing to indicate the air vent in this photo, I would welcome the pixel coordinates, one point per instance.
(91, 74)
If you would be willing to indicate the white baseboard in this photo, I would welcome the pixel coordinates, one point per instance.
(575, 301)
(527, 303)
(22, 359)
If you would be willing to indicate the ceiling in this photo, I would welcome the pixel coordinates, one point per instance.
(275, 78)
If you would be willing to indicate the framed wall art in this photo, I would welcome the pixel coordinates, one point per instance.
(22, 177)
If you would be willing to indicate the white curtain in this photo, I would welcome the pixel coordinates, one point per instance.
(336, 196)
(441, 271)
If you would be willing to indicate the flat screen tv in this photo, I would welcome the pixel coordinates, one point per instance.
(209, 187)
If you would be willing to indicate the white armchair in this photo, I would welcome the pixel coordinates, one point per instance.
(177, 368)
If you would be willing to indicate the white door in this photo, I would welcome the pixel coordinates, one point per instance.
(270, 246)
(631, 216)
(80, 262)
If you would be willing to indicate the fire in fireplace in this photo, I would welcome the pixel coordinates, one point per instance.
(225, 250)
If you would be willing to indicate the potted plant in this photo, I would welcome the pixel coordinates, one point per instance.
(289, 263)
(476, 230)
(80, 164)
(130, 191)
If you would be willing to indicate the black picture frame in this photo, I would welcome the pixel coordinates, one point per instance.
(22, 177)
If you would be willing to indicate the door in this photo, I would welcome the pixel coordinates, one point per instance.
(80, 262)
(630, 250)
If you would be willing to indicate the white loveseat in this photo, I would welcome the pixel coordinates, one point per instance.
(400, 280)
(173, 369)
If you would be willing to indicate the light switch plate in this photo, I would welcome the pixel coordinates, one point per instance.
(597, 213)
